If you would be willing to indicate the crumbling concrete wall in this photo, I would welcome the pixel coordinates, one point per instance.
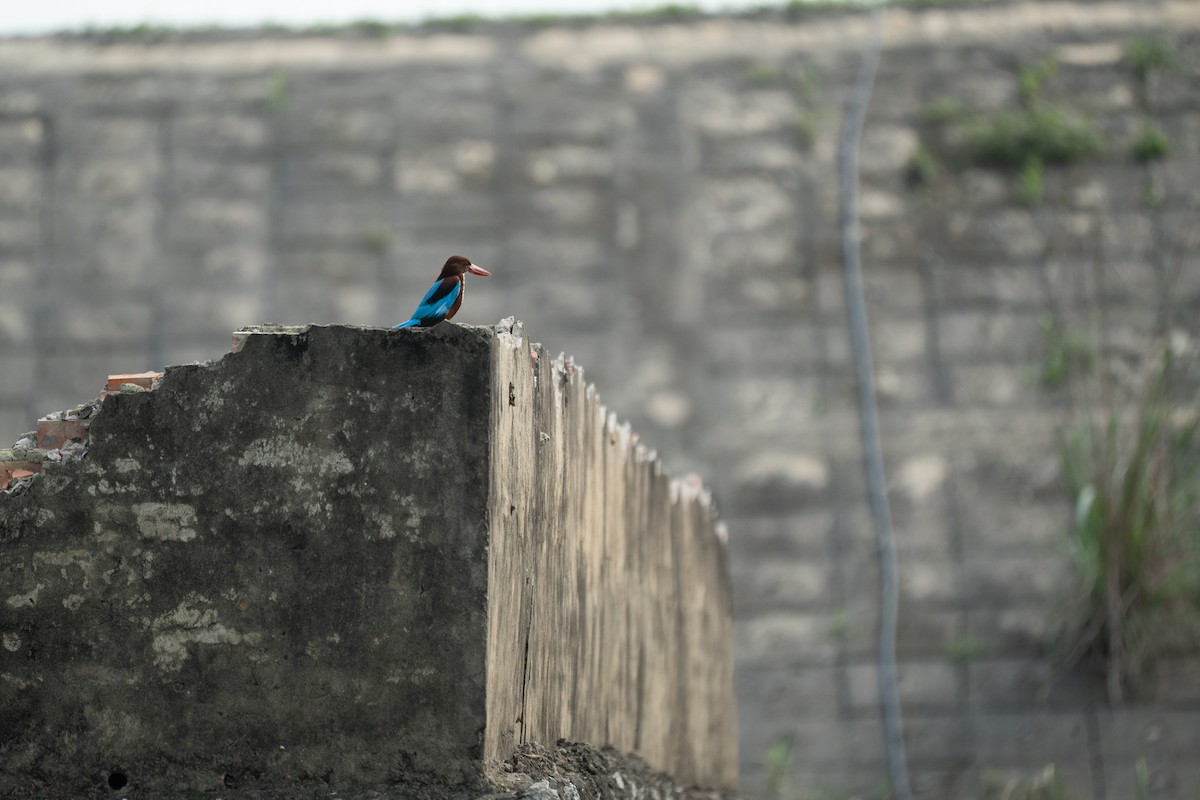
(295, 565)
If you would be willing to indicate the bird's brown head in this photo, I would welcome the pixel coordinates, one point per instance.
(460, 265)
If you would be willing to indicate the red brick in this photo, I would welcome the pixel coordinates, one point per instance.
(143, 379)
(10, 470)
(52, 433)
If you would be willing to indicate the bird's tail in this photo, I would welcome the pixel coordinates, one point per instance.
(408, 324)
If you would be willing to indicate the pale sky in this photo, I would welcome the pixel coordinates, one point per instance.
(20, 17)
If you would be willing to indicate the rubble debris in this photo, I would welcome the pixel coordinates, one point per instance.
(61, 436)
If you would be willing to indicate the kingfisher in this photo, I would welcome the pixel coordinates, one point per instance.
(446, 295)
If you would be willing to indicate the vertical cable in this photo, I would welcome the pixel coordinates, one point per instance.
(856, 111)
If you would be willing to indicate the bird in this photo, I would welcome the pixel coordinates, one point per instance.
(443, 299)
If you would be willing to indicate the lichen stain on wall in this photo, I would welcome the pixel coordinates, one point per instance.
(193, 621)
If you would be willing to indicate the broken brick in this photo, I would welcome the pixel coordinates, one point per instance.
(15, 470)
(54, 433)
(143, 379)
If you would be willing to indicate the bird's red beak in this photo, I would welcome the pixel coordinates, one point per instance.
(475, 269)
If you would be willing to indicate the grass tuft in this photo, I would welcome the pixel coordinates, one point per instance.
(1066, 353)
(922, 170)
(278, 91)
(1136, 532)
(1151, 144)
(1150, 54)
(1045, 785)
(1051, 134)
(1031, 184)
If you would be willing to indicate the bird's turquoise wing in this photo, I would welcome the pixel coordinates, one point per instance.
(436, 303)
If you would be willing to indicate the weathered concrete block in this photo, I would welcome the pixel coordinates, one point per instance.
(359, 557)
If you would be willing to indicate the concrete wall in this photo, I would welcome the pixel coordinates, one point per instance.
(609, 587)
(289, 568)
(659, 200)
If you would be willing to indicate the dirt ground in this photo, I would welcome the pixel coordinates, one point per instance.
(568, 771)
(573, 770)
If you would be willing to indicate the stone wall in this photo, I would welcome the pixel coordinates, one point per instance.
(328, 560)
(659, 199)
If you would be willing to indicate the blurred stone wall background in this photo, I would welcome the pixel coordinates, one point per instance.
(659, 199)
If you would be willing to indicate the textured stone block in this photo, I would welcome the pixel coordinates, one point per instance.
(221, 134)
(805, 694)
(774, 154)
(887, 149)
(1005, 739)
(1025, 682)
(993, 385)
(1156, 732)
(1165, 777)
(306, 171)
(1006, 580)
(1013, 630)
(785, 639)
(314, 120)
(1177, 680)
(20, 189)
(117, 178)
(201, 220)
(974, 335)
(747, 204)
(117, 321)
(218, 176)
(19, 233)
(922, 685)
(90, 135)
(725, 113)
(775, 535)
(207, 312)
(782, 584)
(21, 138)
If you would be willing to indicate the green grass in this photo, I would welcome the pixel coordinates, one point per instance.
(840, 628)
(1052, 134)
(455, 22)
(1135, 487)
(1031, 79)
(1150, 54)
(965, 648)
(143, 31)
(761, 75)
(278, 91)
(1151, 144)
(807, 86)
(1152, 193)
(942, 110)
(1066, 353)
(1044, 785)
(778, 764)
(666, 12)
(934, 3)
(806, 130)
(373, 28)
(1031, 183)
(1027, 140)
(377, 240)
(922, 170)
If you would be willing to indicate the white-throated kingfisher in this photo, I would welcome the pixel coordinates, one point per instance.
(443, 299)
